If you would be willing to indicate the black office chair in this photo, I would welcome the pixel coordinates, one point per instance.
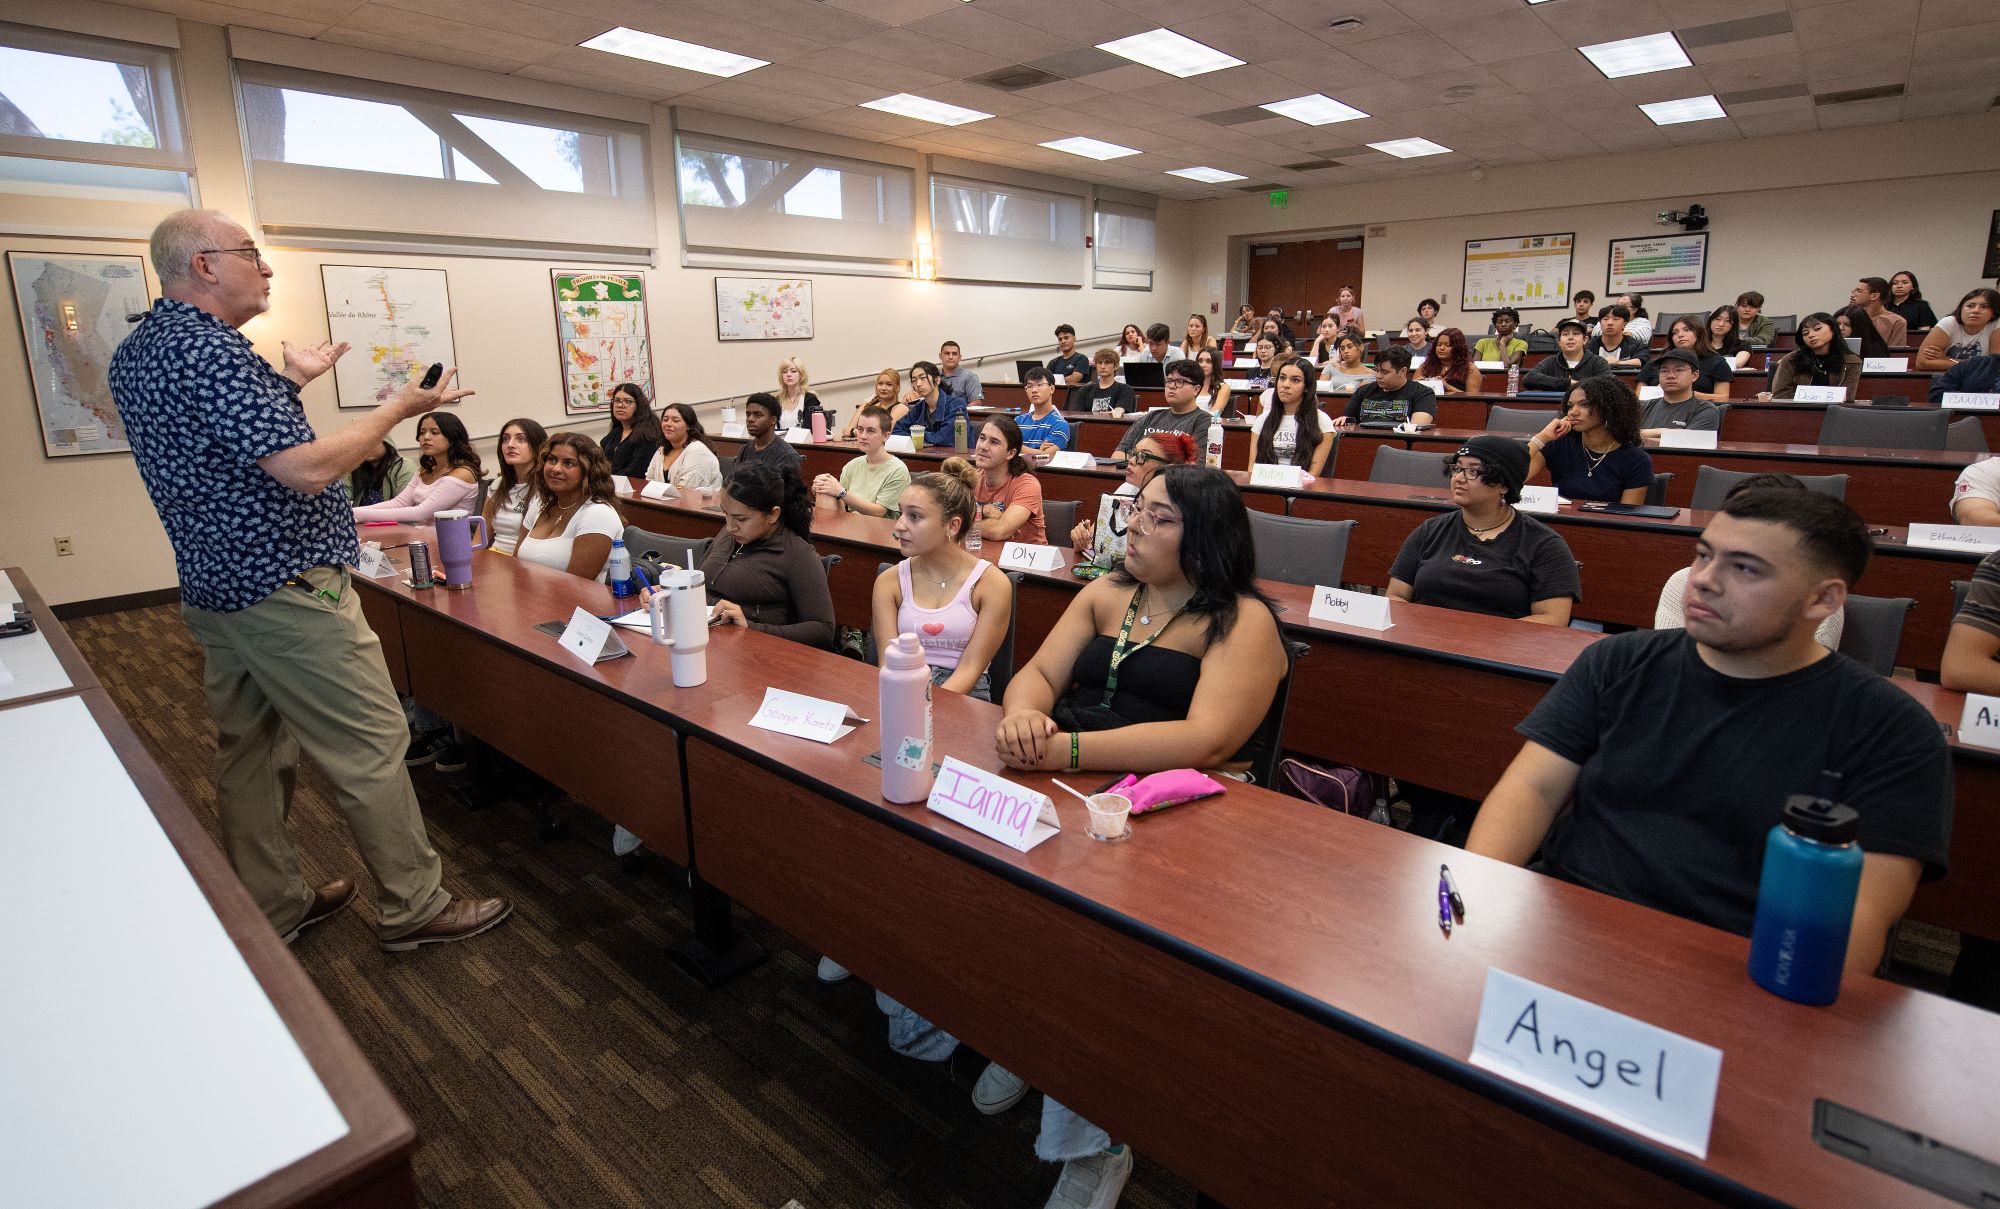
(669, 549)
(479, 500)
(1959, 589)
(1530, 420)
(1966, 436)
(1884, 428)
(1874, 629)
(999, 673)
(1784, 325)
(1712, 486)
(1298, 549)
(1657, 493)
(728, 465)
(1059, 517)
(1407, 466)
(1268, 741)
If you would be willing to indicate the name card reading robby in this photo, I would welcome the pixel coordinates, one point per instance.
(992, 805)
(1350, 608)
(806, 717)
(1021, 556)
(1264, 474)
(1980, 539)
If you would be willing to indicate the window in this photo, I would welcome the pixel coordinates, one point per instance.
(1123, 256)
(364, 161)
(745, 203)
(993, 232)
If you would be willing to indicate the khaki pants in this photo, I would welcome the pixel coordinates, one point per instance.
(293, 671)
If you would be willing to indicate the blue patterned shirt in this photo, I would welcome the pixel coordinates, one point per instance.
(200, 408)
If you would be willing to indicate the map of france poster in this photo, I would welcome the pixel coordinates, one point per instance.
(73, 308)
(399, 322)
(601, 335)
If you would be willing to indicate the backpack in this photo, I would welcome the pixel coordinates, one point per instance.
(1337, 787)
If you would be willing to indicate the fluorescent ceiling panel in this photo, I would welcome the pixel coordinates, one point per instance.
(1687, 109)
(925, 110)
(1095, 149)
(1409, 149)
(1637, 56)
(1208, 176)
(1165, 50)
(1315, 109)
(637, 44)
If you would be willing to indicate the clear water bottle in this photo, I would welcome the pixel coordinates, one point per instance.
(973, 541)
(619, 569)
(1805, 898)
(1513, 379)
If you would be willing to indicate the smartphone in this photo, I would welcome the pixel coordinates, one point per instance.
(431, 375)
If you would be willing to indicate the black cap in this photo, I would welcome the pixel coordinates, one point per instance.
(1819, 819)
(1684, 356)
(1504, 454)
(1574, 322)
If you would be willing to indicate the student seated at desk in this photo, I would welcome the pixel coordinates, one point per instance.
(1970, 653)
(1215, 396)
(379, 478)
(1611, 341)
(448, 474)
(1503, 345)
(1451, 361)
(576, 509)
(1592, 450)
(1271, 350)
(934, 408)
(1321, 352)
(1008, 495)
(1870, 296)
(762, 571)
(1068, 367)
(1969, 331)
(511, 507)
(887, 396)
(1725, 338)
(766, 446)
(1821, 359)
(873, 483)
(685, 462)
(1906, 298)
(1486, 557)
(1182, 379)
(634, 435)
(1417, 337)
(1131, 343)
(1677, 406)
(1043, 428)
(1294, 430)
(796, 404)
(1346, 373)
(1656, 766)
(1975, 497)
(1854, 324)
(1712, 378)
(1671, 613)
(1106, 395)
(1753, 326)
(1246, 321)
(1974, 375)
(1570, 365)
(1394, 397)
(1155, 452)
(956, 603)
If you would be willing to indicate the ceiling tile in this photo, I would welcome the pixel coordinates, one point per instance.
(1947, 102)
(1379, 19)
(1856, 23)
(1588, 22)
(1180, 96)
(1252, 40)
(1754, 74)
(1758, 124)
(970, 27)
(1408, 53)
(1251, 85)
(1954, 45)
(1947, 77)
(895, 12)
(1860, 113)
(1543, 72)
(542, 24)
(412, 30)
(298, 26)
(1506, 36)
(821, 22)
(388, 44)
(618, 73)
(1689, 13)
(1062, 92)
(1952, 14)
(1785, 45)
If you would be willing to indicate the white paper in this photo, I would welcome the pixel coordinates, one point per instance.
(1543, 500)
(658, 491)
(145, 1065)
(1350, 608)
(621, 484)
(992, 805)
(1237, 384)
(1978, 539)
(1820, 394)
(1649, 393)
(1417, 361)
(1436, 384)
(1485, 366)
(1020, 556)
(737, 429)
(586, 637)
(1244, 363)
(1072, 459)
(1965, 400)
(807, 717)
(899, 444)
(1979, 725)
(6, 674)
(1885, 365)
(375, 563)
(35, 668)
(1659, 1085)
(1264, 474)
(798, 436)
(1687, 438)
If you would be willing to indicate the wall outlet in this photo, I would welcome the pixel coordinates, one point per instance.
(65, 547)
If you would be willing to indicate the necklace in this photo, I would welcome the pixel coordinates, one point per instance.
(1597, 461)
(1146, 616)
(1476, 532)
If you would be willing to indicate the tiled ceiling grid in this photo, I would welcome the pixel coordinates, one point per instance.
(1496, 81)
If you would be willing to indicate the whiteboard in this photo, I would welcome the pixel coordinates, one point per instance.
(1521, 271)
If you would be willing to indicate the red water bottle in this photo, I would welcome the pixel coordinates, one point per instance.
(1228, 353)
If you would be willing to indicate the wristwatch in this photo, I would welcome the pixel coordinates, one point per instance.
(842, 496)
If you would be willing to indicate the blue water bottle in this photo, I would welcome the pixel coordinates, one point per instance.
(618, 569)
(1805, 900)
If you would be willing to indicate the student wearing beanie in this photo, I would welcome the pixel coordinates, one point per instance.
(1484, 556)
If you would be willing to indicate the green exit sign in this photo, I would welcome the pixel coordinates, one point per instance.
(1279, 197)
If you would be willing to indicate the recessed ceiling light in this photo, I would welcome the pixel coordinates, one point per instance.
(1095, 149)
(1409, 149)
(1315, 109)
(1637, 56)
(1687, 109)
(637, 44)
(1208, 176)
(1165, 50)
(926, 110)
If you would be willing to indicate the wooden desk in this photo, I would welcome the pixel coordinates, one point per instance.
(368, 1166)
(1781, 421)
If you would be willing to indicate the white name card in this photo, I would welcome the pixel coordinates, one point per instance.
(1980, 539)
(1539, 499)
(375, 564)
(1263, 474)
(798, 436)
(1237, 383)
(1659, 1085)
(1350, 608)
(1244, 363)
(1418, 360)
(621, 484)
(1436, 384)
(1820, 394)
(806, 717)
(1073, 459)
(992, 805)
(1980, 723)
(1885, 365)
(1485, 366)
(657, 491)
(590, 639)
(1020, 556)
(1651, 392)
(899, 444)
(1961, 400)
(735, 429)
(1686, 438)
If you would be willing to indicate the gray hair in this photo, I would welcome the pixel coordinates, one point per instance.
(179, 236)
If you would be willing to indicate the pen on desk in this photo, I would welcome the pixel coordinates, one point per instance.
(1450, 885)
(1877, 532)
(1444, 907)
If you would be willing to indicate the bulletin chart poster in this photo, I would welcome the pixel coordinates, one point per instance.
(1521, 271)
(1657, 264)
(601, 337)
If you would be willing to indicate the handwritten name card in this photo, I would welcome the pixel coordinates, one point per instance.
(806, 717)
(1820, 394)
(992, 805)
(1962, 400)
(1980, 539)
(1020, 556)
(1263, 474)
(1687, 438)
(1362, 609)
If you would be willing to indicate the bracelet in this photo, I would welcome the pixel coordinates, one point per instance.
(1075, 752)
(1535, 442)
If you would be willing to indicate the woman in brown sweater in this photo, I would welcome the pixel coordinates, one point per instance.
(762, 570)
(1821, 359)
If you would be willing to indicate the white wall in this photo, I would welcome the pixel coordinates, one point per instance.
(504, 332)
(1798, 217)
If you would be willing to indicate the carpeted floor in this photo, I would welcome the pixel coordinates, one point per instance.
(560, 1060)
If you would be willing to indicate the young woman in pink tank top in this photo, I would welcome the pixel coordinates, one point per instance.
(957, 604)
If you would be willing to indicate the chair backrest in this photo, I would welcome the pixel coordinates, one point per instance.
(1657, 493)
(479, 501)
(1299, 549)
(1519, 419)
(1269, 738)
(1664, 321)
(1784, 324)
(1880, 428)
(1408, 466)
(1060, 517)
(1874, 629)
(999, 673)
(1711, 485)
(728, 465)
(675, 550)
(1966, 436)
(1959, 589)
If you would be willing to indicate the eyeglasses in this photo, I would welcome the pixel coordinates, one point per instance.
(1145, 521)
(1473, 470)
(1178, 381)
(1145, 459)
(256, 256)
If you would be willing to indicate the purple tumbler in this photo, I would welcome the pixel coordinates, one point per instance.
(455, 545)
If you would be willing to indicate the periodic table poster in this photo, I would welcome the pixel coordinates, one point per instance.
(1657, 264)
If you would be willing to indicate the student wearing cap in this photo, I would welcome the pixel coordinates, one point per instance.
(1655, 767)
(1503, 345)
(1485, 556)
(1678, 406)
(1570, 365)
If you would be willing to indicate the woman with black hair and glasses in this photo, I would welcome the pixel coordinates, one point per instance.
(634, 436)
(1484, 556)
(1592, 450)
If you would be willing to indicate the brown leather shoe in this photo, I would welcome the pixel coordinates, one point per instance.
(462, 917)
(328, 901)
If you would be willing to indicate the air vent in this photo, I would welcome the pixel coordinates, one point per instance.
(1265, 188)
(1309, 166)
(1750, 96)
(1017, 77)
(1742, 30)
(1237, 117)
(1852, 95)
(1344, 24)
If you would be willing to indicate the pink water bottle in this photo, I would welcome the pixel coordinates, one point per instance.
(819, 427)
(905, 713)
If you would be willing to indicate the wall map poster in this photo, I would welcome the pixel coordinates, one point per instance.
(399, 323)
(601, 335)
(763, 308)
(73, 310)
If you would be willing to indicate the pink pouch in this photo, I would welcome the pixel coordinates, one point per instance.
(1164, 789)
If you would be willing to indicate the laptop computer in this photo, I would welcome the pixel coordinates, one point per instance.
(1853, 344)
(1139, 374)
(1021, 369)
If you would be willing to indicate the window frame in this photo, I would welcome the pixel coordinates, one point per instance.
(162, 68)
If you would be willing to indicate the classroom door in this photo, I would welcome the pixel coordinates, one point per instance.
(1305, 276)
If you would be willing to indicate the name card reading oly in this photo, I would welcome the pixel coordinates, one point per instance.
(992, 805)
(1658, 1084)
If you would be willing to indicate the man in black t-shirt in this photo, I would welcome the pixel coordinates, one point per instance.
(1393, 397)
(1068, 367)
(1680, 747)
(1612, 342)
